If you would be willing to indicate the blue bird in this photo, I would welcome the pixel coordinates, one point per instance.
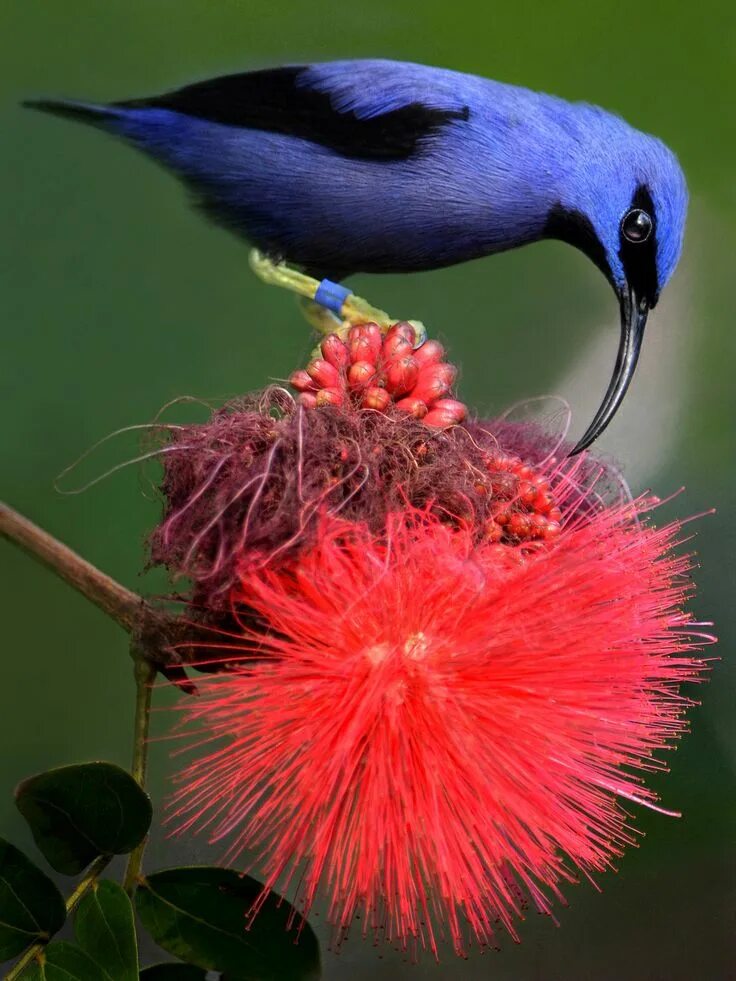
(384, 167)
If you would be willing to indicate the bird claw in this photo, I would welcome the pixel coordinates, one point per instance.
(323, 320)
(353, 310)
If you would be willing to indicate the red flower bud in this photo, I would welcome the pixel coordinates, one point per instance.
(397, 345)
(403, 329)
(376, 398)
(323, 373)
(457, 410)
(301, 381)
(413, 407)
(431, 352)
(440, 419)
(365, 342)
(361, 374)
(401, 376)
(520, 524)
(329, 396)
(527, 492)
(335, 351)
(435, 380)
(494, 531)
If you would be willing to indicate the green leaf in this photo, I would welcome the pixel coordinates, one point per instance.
(31, 907)
(105, 930)
(173, 972)
(79, 812)
(199, 915)
(62, 961)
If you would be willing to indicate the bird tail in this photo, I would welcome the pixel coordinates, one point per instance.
(85, 112)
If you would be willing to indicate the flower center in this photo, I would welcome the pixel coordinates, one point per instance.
(414, 648)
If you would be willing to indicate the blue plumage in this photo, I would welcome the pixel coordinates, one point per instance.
(381, 166)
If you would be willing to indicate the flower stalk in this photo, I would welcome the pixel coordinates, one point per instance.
(145, 674)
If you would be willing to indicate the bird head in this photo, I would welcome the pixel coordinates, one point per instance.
(626, 210)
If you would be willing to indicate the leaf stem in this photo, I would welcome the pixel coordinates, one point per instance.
(145, 674)
(84, 885)
(82, 888)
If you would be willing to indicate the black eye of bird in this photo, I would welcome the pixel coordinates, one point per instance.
(636, 226)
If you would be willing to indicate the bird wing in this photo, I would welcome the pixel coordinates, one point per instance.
(364, 109)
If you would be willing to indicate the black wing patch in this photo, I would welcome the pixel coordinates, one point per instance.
(272, 100)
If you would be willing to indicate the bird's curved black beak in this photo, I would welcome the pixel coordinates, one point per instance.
(634, 311)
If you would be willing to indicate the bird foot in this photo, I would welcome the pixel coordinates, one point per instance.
(328, 307)
(323, 320)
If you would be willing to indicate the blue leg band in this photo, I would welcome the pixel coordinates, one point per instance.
(331, 295)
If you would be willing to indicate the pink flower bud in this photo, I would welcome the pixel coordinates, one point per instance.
(403, 329)
(401, 376)
(413, 407)
(445, 413)
(376, 398)
(520, 525)
(396, 346)
(431, 352)
(458, 410)
(527, 492)
(361, 374)
(335, 351)
(329, 396)
(365, 342)
(435, 380)
(494, 531)
(323, 373)
(308, 400)
(301, 381)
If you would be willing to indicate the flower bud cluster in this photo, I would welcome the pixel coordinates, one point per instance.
(375, 371)
(524, 508)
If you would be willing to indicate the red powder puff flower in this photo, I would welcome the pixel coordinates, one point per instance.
(448, 654)
(430, 727)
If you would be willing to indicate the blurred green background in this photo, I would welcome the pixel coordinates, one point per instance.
(116, 298)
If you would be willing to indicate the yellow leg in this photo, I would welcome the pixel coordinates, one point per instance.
(323, 320)
(355, 310)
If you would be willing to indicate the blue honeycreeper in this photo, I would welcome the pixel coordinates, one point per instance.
(384, 166)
